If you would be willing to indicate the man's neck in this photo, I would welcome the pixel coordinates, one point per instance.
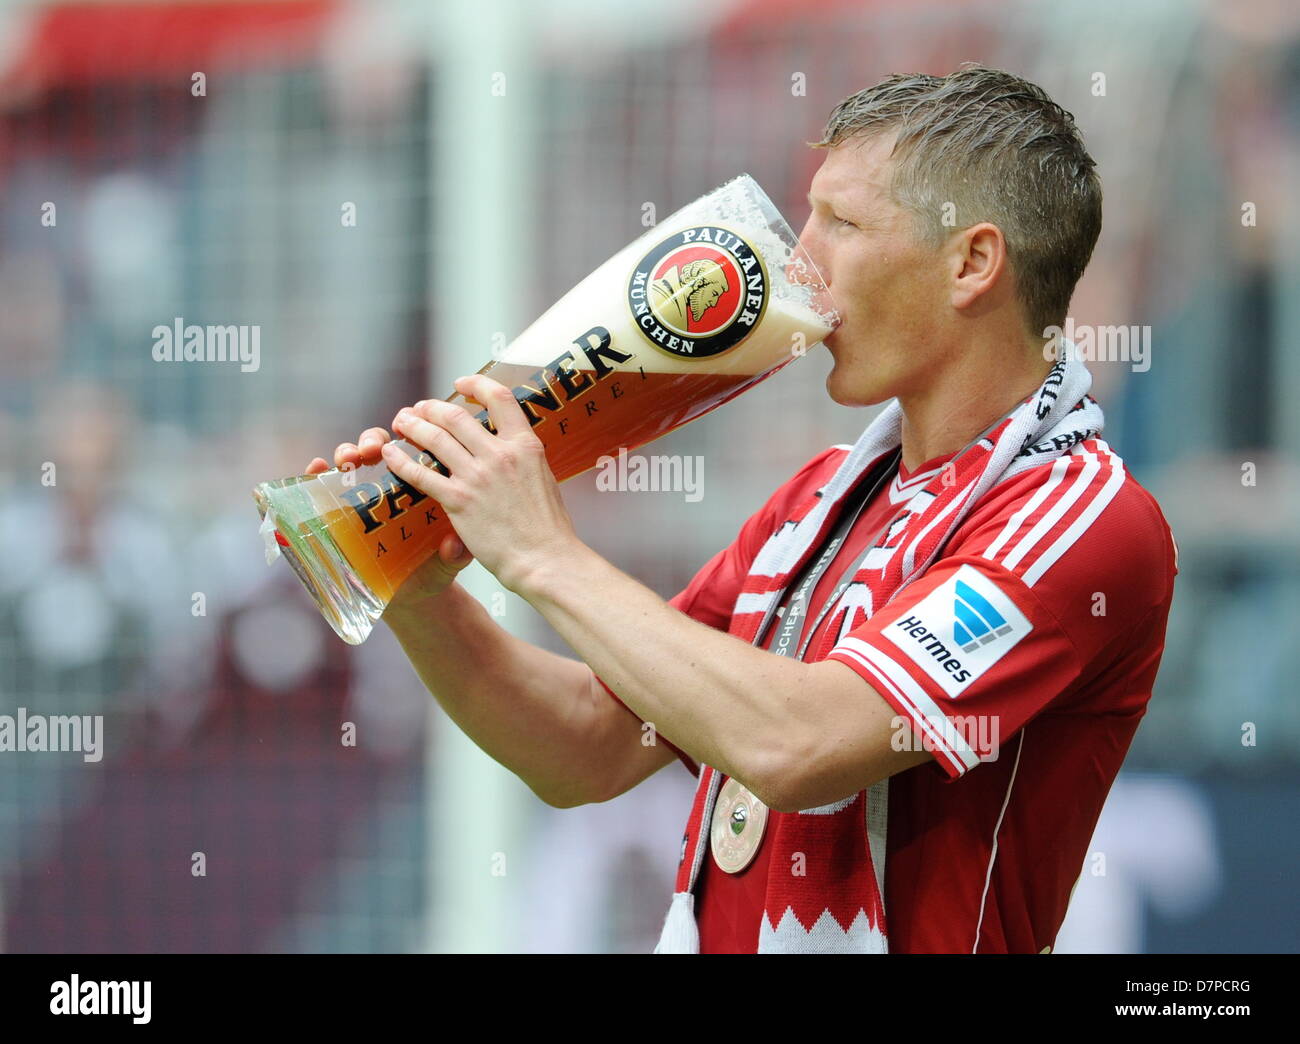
(983, 385)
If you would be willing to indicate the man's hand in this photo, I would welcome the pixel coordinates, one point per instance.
(500, 493)
(348, 455)
(433, 576)
(798, 735)
(543, 716)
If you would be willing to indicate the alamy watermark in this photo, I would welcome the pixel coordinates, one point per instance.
(182, 342)
(72, 996)
(40, 733)
(982, 732)
(1130, 344)
(657, 474)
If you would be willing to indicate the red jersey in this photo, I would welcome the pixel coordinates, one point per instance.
(726, 903)
(1057, 588)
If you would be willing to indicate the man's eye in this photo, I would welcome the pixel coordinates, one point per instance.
(844, 223)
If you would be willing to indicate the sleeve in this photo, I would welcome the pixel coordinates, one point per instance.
(712, 592)
(1030, 603)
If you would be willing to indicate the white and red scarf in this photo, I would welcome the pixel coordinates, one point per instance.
(836, 905)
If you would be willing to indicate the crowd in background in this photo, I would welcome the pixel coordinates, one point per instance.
(132, 578)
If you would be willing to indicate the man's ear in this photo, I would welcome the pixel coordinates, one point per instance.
(981, 273)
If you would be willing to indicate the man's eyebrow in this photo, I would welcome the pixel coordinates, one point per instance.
(835, 208)
(829, 204)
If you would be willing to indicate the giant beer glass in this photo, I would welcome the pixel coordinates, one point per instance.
(701, 307)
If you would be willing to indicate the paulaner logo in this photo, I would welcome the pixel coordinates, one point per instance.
(546, 394)
(74, 997)
(699, 292)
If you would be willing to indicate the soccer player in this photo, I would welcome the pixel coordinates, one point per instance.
(908, 684)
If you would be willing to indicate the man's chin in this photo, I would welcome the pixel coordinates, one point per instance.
(845, 390)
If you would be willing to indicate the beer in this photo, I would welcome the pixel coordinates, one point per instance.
(680, 321)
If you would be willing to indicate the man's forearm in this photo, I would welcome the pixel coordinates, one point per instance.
(721, 700)
(802, 734)
(531, 710)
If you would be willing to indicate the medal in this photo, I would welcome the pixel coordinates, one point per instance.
(739, 820)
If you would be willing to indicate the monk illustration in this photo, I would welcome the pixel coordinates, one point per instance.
(696, 287)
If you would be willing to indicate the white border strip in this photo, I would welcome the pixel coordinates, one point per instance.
(915, 700)
(1031, 539)
(1017, 520)
(1086, 518)
(993, 852)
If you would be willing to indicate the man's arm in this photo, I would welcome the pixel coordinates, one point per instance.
(544, 717)
(799, 735)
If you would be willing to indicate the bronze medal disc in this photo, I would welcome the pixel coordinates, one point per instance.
(739, 820)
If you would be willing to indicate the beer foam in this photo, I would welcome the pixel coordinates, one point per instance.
(790, 320)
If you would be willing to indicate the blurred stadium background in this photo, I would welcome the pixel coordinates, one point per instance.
(495, 152)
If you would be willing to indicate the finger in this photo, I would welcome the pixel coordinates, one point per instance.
(317, 465)
(346, 455)
(434, 438)
(452, 557)
(503, 408)
(454, 554)
(368, 445)
(457, 419)
(425, 479)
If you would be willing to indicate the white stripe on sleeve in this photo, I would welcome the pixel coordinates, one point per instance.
(945, 736)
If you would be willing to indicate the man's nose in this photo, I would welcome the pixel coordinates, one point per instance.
(806, 259)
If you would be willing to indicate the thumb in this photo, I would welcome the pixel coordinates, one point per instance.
(454, 553)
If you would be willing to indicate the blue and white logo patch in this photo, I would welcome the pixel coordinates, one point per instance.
(960, 629)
